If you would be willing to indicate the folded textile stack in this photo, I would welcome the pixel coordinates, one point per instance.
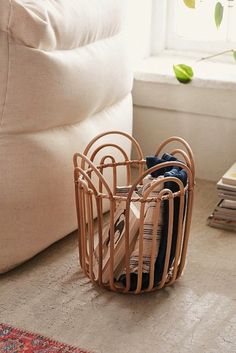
(119, 237)
(224, 214)
(153, 219)
(162, 227)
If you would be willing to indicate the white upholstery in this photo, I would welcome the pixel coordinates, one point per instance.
(64, 79)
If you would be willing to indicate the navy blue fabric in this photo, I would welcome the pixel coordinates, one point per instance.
(160, 260)
(134, 280)
(152, 161)
(159, 265)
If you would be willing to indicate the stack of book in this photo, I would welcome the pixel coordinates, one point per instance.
(224, 214)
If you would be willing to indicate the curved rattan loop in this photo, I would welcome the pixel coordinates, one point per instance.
(126, 158)
(77, 179)
(142, 211)
(113, 161)
(157, 167)
(184, 143)
(162, 193)
(94, 169)
(102, 161)
(115, 132)
(183, 154)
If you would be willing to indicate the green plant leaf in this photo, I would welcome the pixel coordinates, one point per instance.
(234, 54)
(219, 11)
(190, 3)
(183, 73)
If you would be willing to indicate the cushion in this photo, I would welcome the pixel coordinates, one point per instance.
(65, 78)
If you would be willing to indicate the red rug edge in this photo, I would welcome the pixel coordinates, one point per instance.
(33, 335)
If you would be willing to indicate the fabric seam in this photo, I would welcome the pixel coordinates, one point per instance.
(8, 67)
(117, 34)
(127, 95)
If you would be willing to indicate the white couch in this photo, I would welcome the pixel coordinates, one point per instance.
(64, 79)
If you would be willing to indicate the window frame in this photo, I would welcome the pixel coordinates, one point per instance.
(164, 40)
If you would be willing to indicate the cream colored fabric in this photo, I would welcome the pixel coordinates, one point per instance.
(64, 79)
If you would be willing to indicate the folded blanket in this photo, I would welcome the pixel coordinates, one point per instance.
(160, 261)
(149, 212)
(152, 161)
(162, 231)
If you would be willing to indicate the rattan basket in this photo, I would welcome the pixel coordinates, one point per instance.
(115, 250)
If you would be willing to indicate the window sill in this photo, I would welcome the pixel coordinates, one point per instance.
(211, 92)
(207, 74)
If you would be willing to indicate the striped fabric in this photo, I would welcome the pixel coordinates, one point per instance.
(149, 221)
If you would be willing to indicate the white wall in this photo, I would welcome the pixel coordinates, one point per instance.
(212, 137)
(138, 29)
(205, 116)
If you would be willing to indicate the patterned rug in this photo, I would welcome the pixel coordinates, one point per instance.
(13, 340)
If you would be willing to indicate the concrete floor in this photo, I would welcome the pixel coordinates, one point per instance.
(50, 295)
